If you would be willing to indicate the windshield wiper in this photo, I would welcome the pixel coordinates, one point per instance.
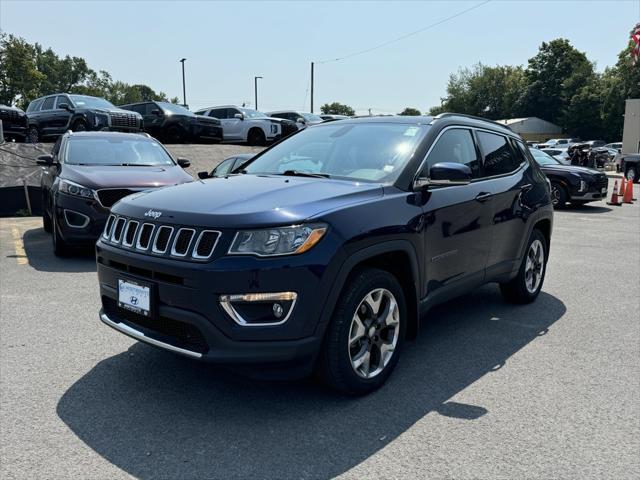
(299, 173)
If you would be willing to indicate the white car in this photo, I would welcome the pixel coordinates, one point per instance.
(560, 154)
(245, 124)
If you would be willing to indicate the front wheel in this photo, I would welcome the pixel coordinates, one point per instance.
(558, 195)
(60, 247)
(526, 286)
(34, 134)
(364, 339)
(46, 218)
(79, 126)
(256, 138)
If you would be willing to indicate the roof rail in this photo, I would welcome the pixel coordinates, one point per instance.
(472, 117)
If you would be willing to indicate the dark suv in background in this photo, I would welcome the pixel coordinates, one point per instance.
(88, 172)
(53, 115)
(173, 123)
(14, 123)
(322, 251)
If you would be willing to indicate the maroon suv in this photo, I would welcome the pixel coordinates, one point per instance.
(88, 172)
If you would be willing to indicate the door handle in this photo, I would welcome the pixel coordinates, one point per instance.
(483, 196)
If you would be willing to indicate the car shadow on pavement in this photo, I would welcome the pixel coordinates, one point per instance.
(586, 209)
(156, 415)
(39, 250)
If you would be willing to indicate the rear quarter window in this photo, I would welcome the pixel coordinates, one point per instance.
(498, 156)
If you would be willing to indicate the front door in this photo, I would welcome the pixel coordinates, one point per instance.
(457, 218)
(61, 116)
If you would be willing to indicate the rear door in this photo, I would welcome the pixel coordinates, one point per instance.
(458, 218)
(507, 172)
(47, 115)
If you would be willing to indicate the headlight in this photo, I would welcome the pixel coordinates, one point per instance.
(75, 189)
(277, 241)
(583, 186)
(100, 120)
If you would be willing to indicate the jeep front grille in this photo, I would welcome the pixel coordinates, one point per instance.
(184, 243)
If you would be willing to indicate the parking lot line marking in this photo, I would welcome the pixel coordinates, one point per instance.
(21, 255)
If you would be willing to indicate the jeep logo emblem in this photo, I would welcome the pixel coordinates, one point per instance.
(153, 214)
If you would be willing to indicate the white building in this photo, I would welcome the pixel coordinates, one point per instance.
(533, 128)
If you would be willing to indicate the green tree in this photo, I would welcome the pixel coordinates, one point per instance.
(583, 115)
(19, 75)
(554, 75)
(336, 108)
(484, 91)
(410, 112)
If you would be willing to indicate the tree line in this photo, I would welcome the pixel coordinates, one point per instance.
(29, 71)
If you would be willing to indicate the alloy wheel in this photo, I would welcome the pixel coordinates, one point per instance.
(555, 194)
(534, 267)
(374, 333)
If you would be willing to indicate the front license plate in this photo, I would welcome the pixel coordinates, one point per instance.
(604, 190)
(134, 296)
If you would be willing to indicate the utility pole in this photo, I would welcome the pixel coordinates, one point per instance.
(311, 87)
(184, 91)
(369, 112)
(255, 88)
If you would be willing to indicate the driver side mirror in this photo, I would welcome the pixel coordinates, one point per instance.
(445, 174)
(65, 106)
(239, 116)
(300, 120)
(156, 112)
(184, 163)
(45, 160)
(204, 175)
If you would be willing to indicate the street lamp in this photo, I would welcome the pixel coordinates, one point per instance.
(255, 87)
(184, 91)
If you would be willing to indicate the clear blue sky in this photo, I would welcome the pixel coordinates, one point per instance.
(227, 43)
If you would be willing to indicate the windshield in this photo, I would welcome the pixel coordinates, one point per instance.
(249, 113)
(174, 108)
(542, 158)
(310, 117)
(115, 151)
(90, 102)
(374, 152)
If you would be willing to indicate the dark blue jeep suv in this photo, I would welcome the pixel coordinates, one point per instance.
(322, 252)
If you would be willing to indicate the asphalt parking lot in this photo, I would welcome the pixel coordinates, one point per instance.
(488, 390)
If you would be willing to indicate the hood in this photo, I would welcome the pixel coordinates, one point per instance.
(111, 110)
(278, 120)
(571, 168)
(97, 177)
(248, 201)
(207, 120)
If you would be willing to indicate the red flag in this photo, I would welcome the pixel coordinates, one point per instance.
(635, 38)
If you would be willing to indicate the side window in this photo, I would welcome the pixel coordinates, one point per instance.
(201, 112)
(219, 113)
(141, 109)
(224, 167)
(231, 112)
(457, 146)
(48, 103)
(34, 106)
(522, 154)
(61, 99)
(498, 157)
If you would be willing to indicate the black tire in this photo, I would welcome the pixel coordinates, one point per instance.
(46, 218)
(335, 367)
(559, 195)
(632, 175)
(60, 247)
(175, 134)
(256, 138)
(516, 290)
(79, 126)
(34, 134)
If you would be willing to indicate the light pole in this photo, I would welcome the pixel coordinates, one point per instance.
(184, 90)
(255, 88)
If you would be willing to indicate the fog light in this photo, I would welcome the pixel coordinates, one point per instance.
(259, 309)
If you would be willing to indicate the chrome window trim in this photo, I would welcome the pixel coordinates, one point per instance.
(107, 234)
(175, 240)
(195, 247)
(478, 147)
(227, 306)
(126, 230)
(153, 229)
(113, 233)
(85, 223)
(155, 239)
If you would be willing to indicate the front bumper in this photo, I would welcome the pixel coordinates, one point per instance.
(207, 132)
(188, 318)
(593, 193)
(80, 221)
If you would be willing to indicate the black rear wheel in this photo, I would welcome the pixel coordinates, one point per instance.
(526, 286)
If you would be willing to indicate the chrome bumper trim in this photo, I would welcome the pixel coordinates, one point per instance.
(133, 333)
